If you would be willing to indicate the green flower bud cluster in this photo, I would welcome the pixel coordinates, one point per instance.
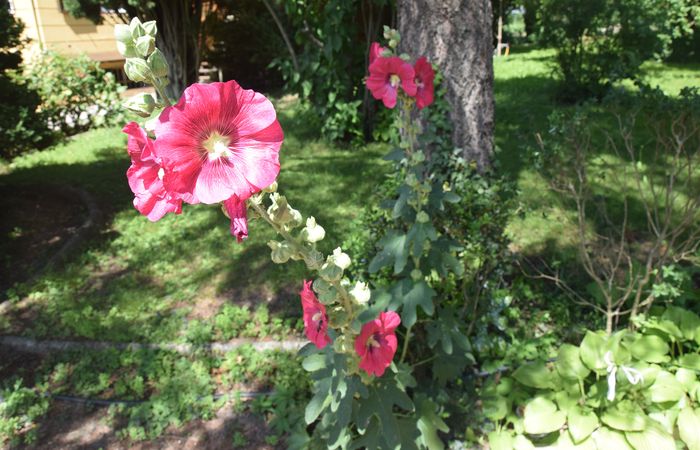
(144, 62)
(282, 214)
(392, 36)
(141, 104)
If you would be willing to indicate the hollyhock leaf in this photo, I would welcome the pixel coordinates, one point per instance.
(313, 363)
(370, 438)
(393, 251)
(420, 295)
(315, 407)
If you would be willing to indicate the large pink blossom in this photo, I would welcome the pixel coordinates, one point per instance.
(315, 317)
(376, 343)
(145, 176)
(424, 82)
(375, 51)
(385, 76)
(218, 141)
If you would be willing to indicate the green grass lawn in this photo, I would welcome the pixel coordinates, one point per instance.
(525, 87)
(153, 282)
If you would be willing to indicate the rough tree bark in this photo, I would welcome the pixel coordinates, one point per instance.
(457, 36)
(179, 22)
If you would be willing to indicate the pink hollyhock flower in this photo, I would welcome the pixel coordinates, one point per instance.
(377, 343)
(385, 75)
(375, 51)
(218, 141)
(236, 211)
(424, 82)
(315, 318)
(146, 177)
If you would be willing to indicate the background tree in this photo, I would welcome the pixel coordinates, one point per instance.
(456, 35)
(21, 128)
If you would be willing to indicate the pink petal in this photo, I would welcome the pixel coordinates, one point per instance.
(236, 210)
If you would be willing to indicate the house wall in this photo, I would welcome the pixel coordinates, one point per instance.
(50, 28)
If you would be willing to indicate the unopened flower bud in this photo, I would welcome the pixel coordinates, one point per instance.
(416, 275)
(137, 69)
(340, 345)
(312, 232)
(280, 252)
(127, 50)
(321, 286)
(271, 188)
(145, 45)
(418, 156)
(422, 217)
(330, 271)
(314, 259)
(411, 179)
(158, 64)
(296, 220)
(361, 293)
(122, 33)
(340, 259)
(150, 28)
(136, 28)
(141, 104)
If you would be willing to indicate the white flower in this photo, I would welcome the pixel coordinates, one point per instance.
(361, 293)
(340, 259)
(313, 232)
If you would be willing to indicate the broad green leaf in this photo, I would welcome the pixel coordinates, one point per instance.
(687, 321)
(541, 416)
(370, 438)
(666, 388)
(534, 375)
(689, 427)
(501, 440)
(607, 439)
(315, 407)
(581, 423)
(429, 423)
(690, 361)
(569, 364)
(566, 443)
(593, 349)
(565, 400)
(625, 416)
(687, 378)
(420, 295)
(522, 443)
(495, 407)
(653, 437)
(313, 363)
(393, 251)
(651, 349)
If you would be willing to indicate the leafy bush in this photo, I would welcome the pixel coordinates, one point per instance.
(76, 94)
(631, 389)
(20, 407)
(21, 127)
(599, 42)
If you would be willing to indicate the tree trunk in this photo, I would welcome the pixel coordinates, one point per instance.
(456, 35)
(179, 23)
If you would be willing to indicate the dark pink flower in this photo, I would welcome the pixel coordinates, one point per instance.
(375, 51)
(146, 177)
(377, 343)
(219, 140)
(385, 75)
(236, 211)
(315, 318)
(424, 82)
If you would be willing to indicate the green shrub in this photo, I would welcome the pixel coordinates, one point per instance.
(20, 407)
(21, 128)
(599, 42)
(76, 94)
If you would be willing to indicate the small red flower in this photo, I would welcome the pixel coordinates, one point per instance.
(315, 318)
(236, 211)
(375, 51)
(377, 343)
(385, 75)
(424, 82)
(146, 177)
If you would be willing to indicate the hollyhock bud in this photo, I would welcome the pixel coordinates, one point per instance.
(422, 217)
(141, 104)
(361, 293)
(145, 45)
(281, 252)
(150, 27)
(314, 259)
(312, 232)
(158, 64)
(330, 271)
(376, 344)
(127, 50)
(137, 69)
(122, 33)
(340, 259)
(280, 212)
(271, 188)
(136, 28)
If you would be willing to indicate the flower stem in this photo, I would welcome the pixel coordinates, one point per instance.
(161, 92)
(404, 352)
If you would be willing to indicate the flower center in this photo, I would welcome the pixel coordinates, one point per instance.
(317, 317)
(394, 80)
(419, 83)
(161, 173)
(372, 342)
(216, 146)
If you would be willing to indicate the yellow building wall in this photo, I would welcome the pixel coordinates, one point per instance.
(52, 29)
